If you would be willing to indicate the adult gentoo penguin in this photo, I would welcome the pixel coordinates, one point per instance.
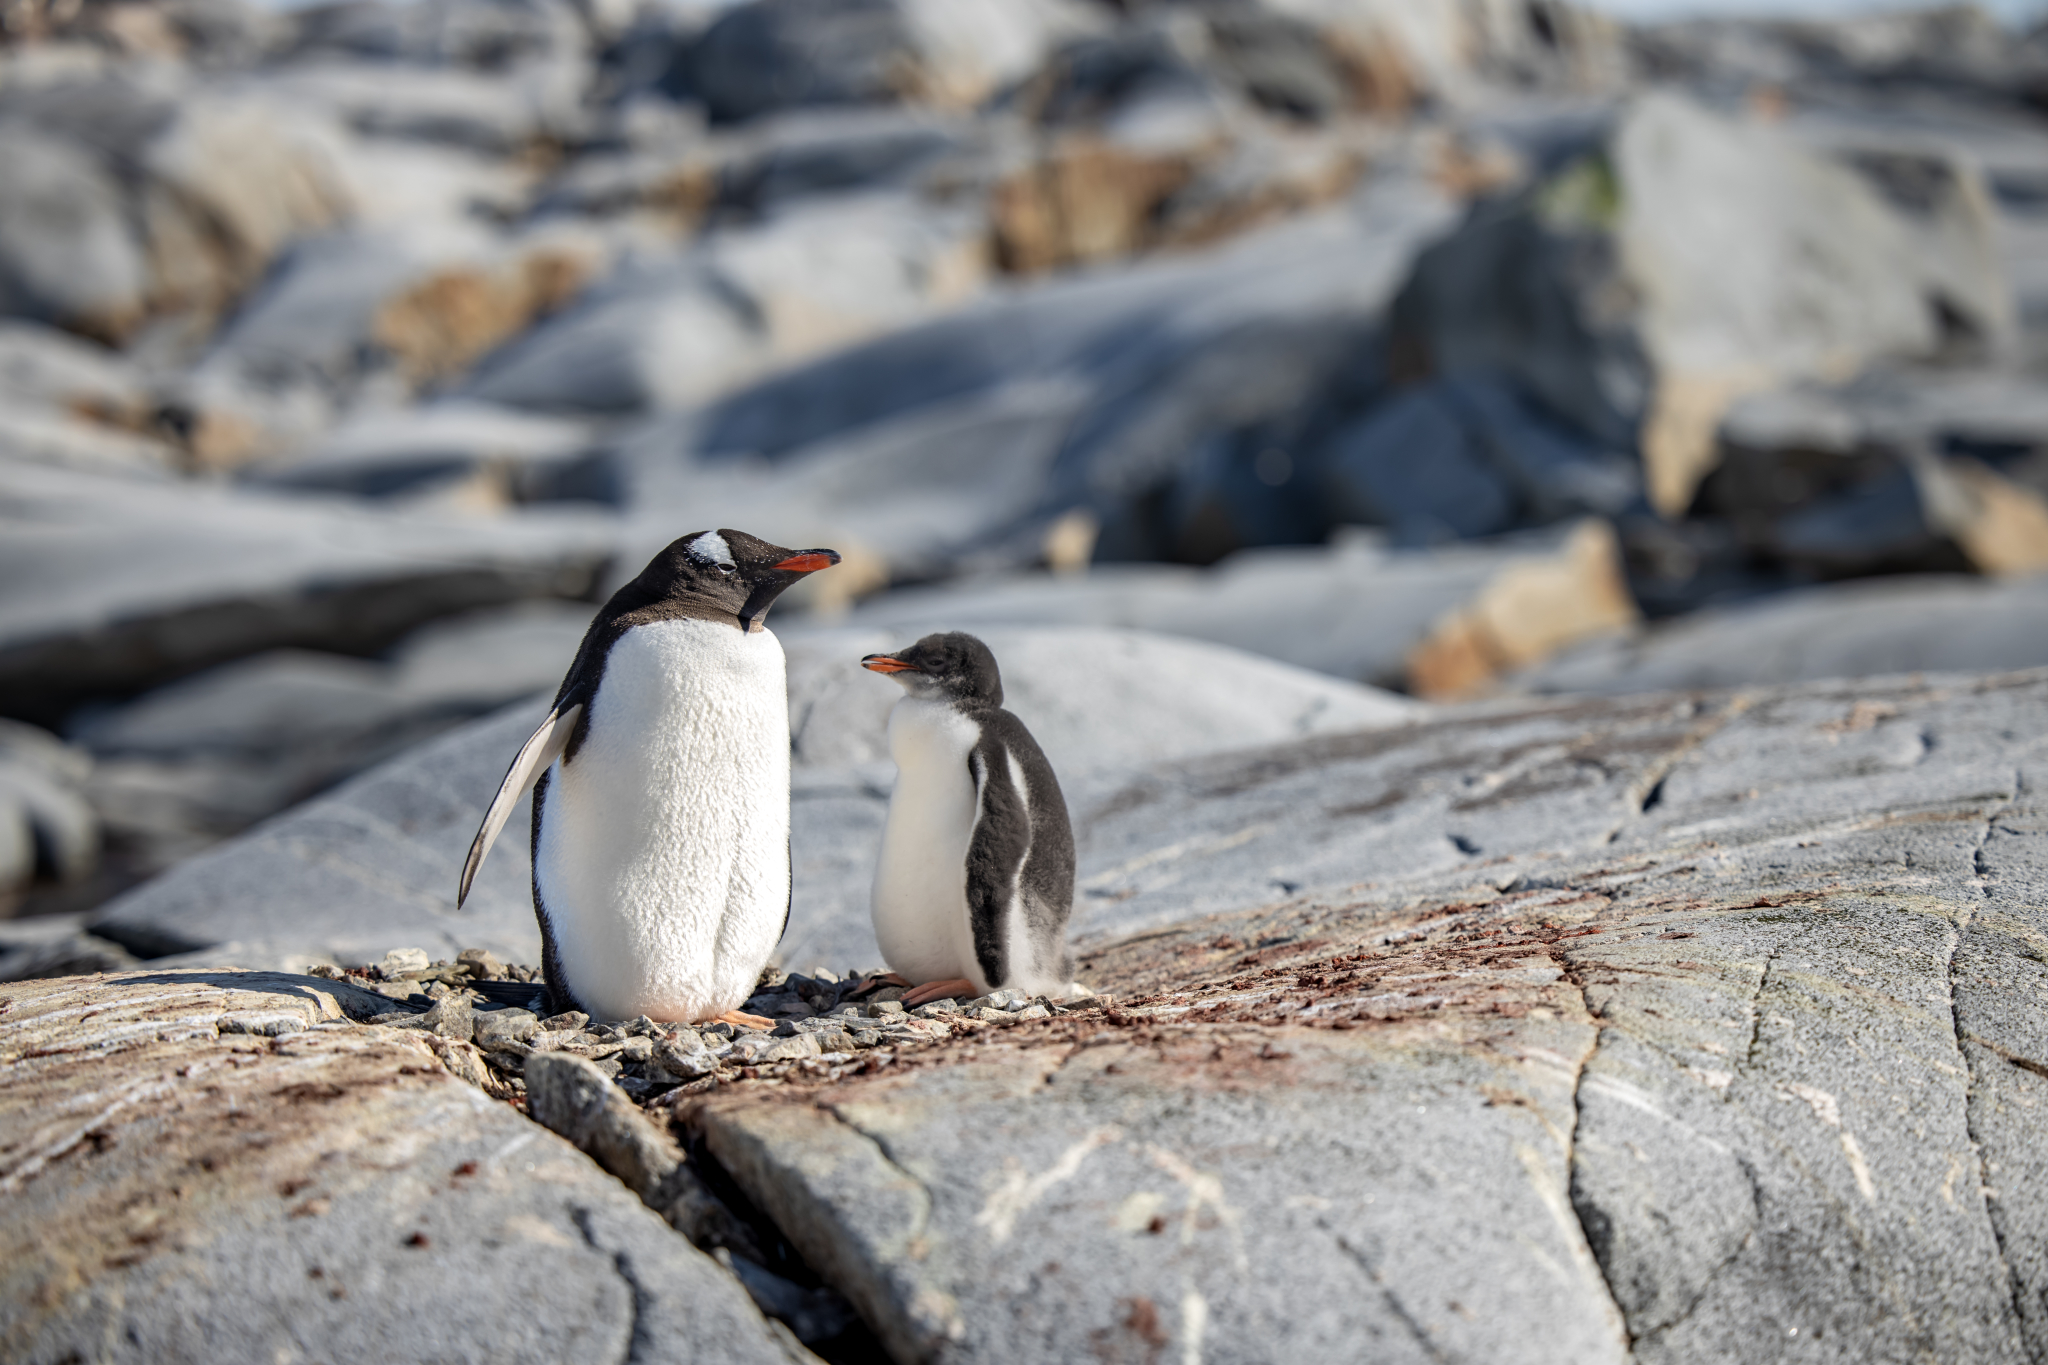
(976, 876)
(661, 814)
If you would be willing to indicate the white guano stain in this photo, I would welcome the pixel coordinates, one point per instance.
(1204, 1190)
(1019, 1191)
(1194, 1323)
(1829, 1112)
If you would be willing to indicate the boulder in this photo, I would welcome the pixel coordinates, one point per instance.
(495, 455)
(1897, 471)
(66, 255)
(735, 174)
(780, 54)
(183, 766)
(133, 205)
(47, 828)
(115, 586)
(375, 313)
(1104, 393)
(1638, 289)
(207, 1163)
(1895, 625)
(675, 332)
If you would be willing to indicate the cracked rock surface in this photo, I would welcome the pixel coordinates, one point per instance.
(203, 1166)
(1675, 1028)
(1721, 1043)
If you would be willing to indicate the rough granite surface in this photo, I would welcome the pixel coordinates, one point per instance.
(213, 1166)
(1667, 1029)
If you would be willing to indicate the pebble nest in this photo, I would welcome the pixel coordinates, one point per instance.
(827, 1024)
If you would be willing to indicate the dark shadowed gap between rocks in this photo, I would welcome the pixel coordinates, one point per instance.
(856, 1344)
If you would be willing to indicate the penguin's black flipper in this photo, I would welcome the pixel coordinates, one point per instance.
(995, 854)
(533, 759)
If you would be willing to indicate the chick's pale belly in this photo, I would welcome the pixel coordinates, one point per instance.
(663, 858)
(920, 892)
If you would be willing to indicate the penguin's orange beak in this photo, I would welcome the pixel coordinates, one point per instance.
(883, 663)
(808, 561)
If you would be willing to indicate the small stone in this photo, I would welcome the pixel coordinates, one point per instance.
(824, 974)
(867, 1037)
(885, 994)
(882, 1009)
(936, 1008)
(787, 1028)
(991, 1016)
(643, 1027)
(451, 1017)
(327, 971)
(686, 1038)
(396, 990)
(789, 1049)
(719, 1030)
(504, 1025)
(680, 1062)
(403, 962)
(436, 990)
(1033, 1012)
(480, 963)
(636, 1049)
(835, 1040)
(573, 1021)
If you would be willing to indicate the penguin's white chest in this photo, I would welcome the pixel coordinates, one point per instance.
(920, 893)
(663, 857)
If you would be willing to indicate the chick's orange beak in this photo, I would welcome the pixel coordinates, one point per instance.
(883, 663)
(807, 561)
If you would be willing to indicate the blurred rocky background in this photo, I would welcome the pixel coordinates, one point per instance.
(349, 354)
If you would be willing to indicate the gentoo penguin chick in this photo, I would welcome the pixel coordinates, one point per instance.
(661, 816)
(976, 876)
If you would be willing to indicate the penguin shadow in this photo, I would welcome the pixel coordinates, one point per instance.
(357, 1002)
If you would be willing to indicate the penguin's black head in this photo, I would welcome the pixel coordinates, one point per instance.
(730, 570)
(954, 665)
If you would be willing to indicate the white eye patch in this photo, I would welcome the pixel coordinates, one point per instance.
(712, 549)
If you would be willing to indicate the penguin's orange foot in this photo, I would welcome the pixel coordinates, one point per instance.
(937, 990)
(877, 981)
(740, 1019)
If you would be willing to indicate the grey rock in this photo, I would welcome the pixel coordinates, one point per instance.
(66, 255)
(504, 1025)
(571, 1096)
(404, 962)
(108, 582)
(1663, 1024)
(458, 448)
(452, 1016)
(1533, 288)
(205, 757)
(455, 1196)
(356, 905)
(1093, 393)
(47, 827)
(1881, 626)
(788, 53)
(69, 955)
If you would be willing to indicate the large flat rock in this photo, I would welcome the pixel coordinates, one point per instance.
(1930, 623)
(1718, 1043)
(114, 585)
(203, 1166)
